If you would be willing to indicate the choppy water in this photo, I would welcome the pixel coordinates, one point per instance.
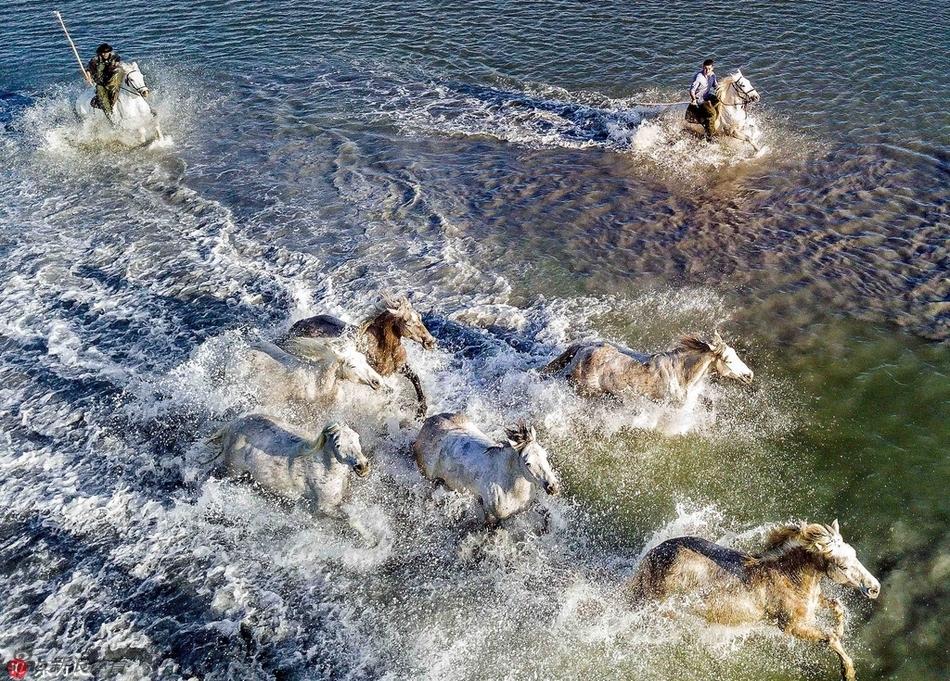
(491, 159)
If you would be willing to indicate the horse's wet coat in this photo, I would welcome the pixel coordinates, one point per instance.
(379, 336)
(601, 368)
(781, 585)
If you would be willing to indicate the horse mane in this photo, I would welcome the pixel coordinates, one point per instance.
(520, 434)
(724, 82)
(332, 433)
(384, 304)
(813, 537)
(691, 342)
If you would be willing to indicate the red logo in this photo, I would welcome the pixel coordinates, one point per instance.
(17, 668)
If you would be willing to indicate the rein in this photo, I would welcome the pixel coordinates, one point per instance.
(137, 92)
(745, 97)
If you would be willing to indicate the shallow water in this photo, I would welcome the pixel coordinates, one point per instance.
(492, 160)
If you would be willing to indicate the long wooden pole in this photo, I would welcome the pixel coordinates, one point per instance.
(82, 68)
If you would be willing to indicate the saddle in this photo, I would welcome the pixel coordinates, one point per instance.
(693, 114)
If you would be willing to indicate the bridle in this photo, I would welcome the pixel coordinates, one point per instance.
(135, 89)
(746, 97)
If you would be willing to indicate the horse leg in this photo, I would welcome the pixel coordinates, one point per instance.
(740, 135)
(847, 665)
(545, 519)
(491, 520)
(748, 138)
(417, 384)
(834, 605)
(810, 633)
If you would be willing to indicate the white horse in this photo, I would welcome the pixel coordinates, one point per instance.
(280, 377)
(603, 369)
(451, 450)
(292, 463)
(736, 93)
(131, 111)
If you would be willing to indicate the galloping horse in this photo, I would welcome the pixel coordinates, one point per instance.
(781, 585)
(131, 111)
(736, 93)
(604, 369)
(451, 450)
(281, 377)
(379, 336)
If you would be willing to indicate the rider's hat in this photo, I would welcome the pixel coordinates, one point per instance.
(103, 48)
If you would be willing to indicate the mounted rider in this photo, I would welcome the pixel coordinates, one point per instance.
(105, 69)
(704, 104)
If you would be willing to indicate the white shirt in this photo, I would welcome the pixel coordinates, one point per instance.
(703, 86)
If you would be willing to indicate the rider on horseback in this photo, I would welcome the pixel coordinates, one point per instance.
(704, 104)
(106, 72)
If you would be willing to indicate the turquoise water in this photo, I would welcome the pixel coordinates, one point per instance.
(490, 159)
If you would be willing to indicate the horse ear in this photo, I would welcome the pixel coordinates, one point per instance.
(532, 435)
(516, 437)
(834, 526)
(322, 439)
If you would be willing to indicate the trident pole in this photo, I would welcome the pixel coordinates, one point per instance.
(85, 74)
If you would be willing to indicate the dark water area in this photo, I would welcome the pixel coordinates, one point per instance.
(503, 163)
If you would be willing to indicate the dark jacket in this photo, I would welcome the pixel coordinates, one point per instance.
(102, 70)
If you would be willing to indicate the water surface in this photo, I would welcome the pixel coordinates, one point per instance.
(491, 159)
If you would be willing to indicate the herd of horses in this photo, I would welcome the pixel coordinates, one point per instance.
(781, 584)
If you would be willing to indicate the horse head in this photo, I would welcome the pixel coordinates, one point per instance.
(134, 78)
(727, 362)
(737, 90)
(534, 457)
(353, 366)
(408, 322)
(842, 564)
(344, 445)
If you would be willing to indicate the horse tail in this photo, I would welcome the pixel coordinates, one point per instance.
(636, 589)
(646, 583)
(561, 360)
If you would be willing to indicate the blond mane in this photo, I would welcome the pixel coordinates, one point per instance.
(520, 434)
(813, 537)
(724, 83)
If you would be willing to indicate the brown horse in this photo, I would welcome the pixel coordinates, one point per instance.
(603, 369)
(379, 337)
(781, 585)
